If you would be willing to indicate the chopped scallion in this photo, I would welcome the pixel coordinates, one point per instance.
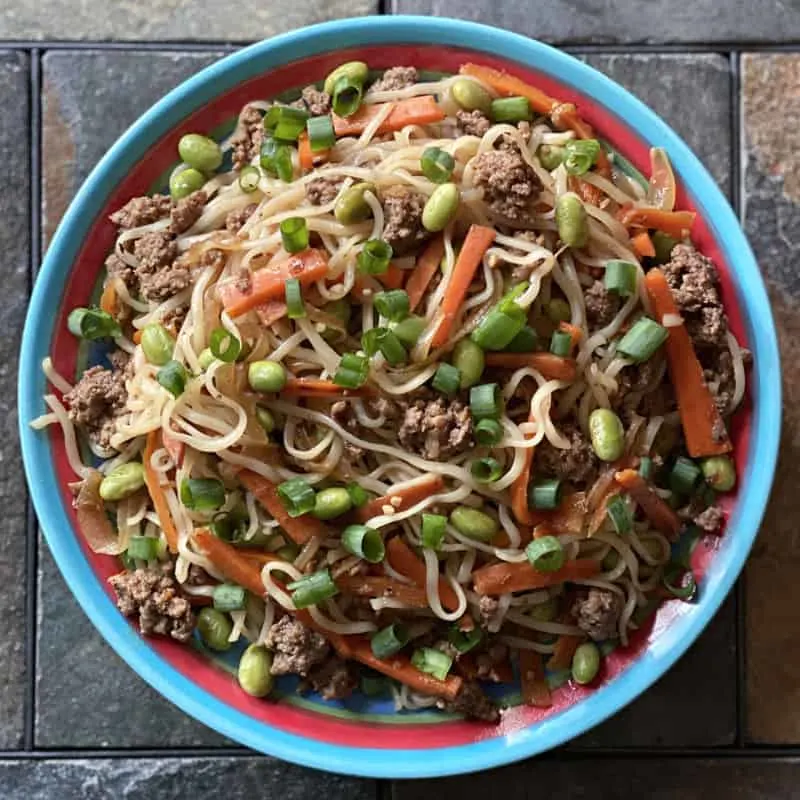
(485, 401)
(249, 178)
(499, 328)
(224, 345)
(545, 495)
(295, 308)
(646, 467)
(364, 542)
(488, 432)
(229, 597)
(546, 554)
(526, 341)
(172, 376)
(297, 496)
(620, 277)
(619, 512)
(437, 164)
(447, 379)
(560, 343)
(684, 476)
(409, 330)
(679, 582)
(321, 134)
(358, 494)
(511, 109)
(642, 340)
(433, 662)
(294, 234)
(464, 641)
(392, 639)
(202, 494)
(485, 470)
(353, 371)
(92, 324)
(433, 530)
(580, 155)
(312, 589)
(393, 305)
(143, 548)
(374, 258)
(347, 94)
(286, 123)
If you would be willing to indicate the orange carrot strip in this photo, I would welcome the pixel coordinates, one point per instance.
(563, 652)
(674, 223)
(655, 509)
(404, 560)
(380, 586)
(137, 337)
(393, 278)
(421, 110)
(268, 283)
(401, 499)
(299, 529)
(510, 86)
(108, 300)
(318, 387)
(588, 192)
(643, 245)
(308, 158)
(423, 272)
(570, 515)
(553, 367)
(495, 579)
(156, 492)
(535, 689)
(703, 427)
(476, 243)
(271, 311)
(519, 489)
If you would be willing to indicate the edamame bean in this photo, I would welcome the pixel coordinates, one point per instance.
(266, 376)
(333, 502)
(719, 472)
(200, 152)
(474, 524)
(468, 357)
(471, 96)
(355, 71)
(183, 183)
(558, 310)
(572, 220)
(254, 673)
(122, 482)
(550, 156)
(544, 612)
(157, 344)
(206, 359)
(441, 207)
(586, 663)
(265, 419)
(607, 434)
(351, 206)
(214, 628)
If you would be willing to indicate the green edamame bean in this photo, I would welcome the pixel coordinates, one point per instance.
(122, 482)
(558, 310)
(545, 612)
(719, 472)
(265, 419)
(351, 206)
(471, 96)
(206, 359)
(183, 183)
(468, 357)
(550, 156)
(254, 674)
(572, 220)
(266, 376)
(333, 502)
(586, 663)
(607, 434)
(200, 152)
(214, 628)
(474, 524)
(157, 344)
(441, 207)
(356, 71)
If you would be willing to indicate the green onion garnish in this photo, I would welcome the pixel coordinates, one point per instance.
(434, 662)
(511, 109)
(297, 496)
(619, 512)
(447, 379)
(663, 244)
(646, 467)
(347, 94)
(485, 401)
(545, 495)
(295, 308)
(580, 155)
(229, 597)
(620, 277)
(276, 159)
(485, 470)
(433, 530)
(679, 582)
(294, 234)
(508, 302)
(374, 258)
(364, 542)
(499, 328)
(321, 135)
(369, 340)
(389, 641)
(546, 554)
(229, 525)
(387, 342)
(409, 330)
(353, 371)
(224, 345)
(202, 494)
(92, 323)
(358, 494)
(642, 340)
(437, 164)
(249, 178)
(560, 343)
(286, 122)
(684, 476)
(392, 305)
(172, 376)
(488, 432)
(526, 341)
(464, 641)
(312, 589)
(143, 548)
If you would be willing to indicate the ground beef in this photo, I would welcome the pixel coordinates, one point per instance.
(154, 251)
(173, 320)
(509, 143)
(162, 285)
(322, 191)
(436, 429)
(601, 305)
(187, 212)
(316, 102)
(296, 649)
(578, 463)
(334, 679)
(246, 144)
(213, 258)
(597, 614)
(154, 595)
(472, 703)
(95, 402)
(117, 268)
(487, 607)
(637, 377)
(473, 123)
(142, 211)
(509, 185)
(711, 519)
(403, 228)
(394, 79)
(720, 379)
(237, 218)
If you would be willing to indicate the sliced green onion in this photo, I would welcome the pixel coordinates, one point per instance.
(347, 93)
(321, 134)
(642, 340)
(437, 164)
(508, 302)
(127, 562)
(488, 432)
(249, 178)
(679, 582)
(684, 476)
(619, 512)
(499, 328)
(224, 345)
(526, 341)
(580, 155)
(297, 496)
(358, 494)
(545, 495)
(364, 542)
(389, 641)
(621, 277)
(312, 589)
(369, 340)
(374, 258)
(485, 470)
(485, 401)
(409, 330)
(546, 554)
(276, 159)
(286, 122)
(646, 467)
(391, 347)
(560, 343)
(447, 379)
(229, 525)
(433, 662)
(511, 109)
(464, 641)
(92, 323)
(295, 308)
(294, 234)
(172, 376)
(352, 372)
(143, 548)
(663, 244)
(433, 530)
(202, 494)
(229, 597)
(393, 305)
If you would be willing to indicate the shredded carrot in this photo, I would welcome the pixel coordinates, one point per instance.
(271, 311)
(535, 689)
(404, 560)
(553, 367)
(108, 300)
(402, 499)
(319, 387)
(476, 243)
(588, 192)
(299, 529)
(308, 158)
(563, 652)
(495, 579)
(422, 110)
(393, 278)
(703, 427)
(575, 333)
(674, 223)
(381, 586)
(232, 563)
(570, 515)
(510, 86)
(655, 509)
(643, 245)
(423, 272)
(269, 282)
(519, 489)
(156, 491)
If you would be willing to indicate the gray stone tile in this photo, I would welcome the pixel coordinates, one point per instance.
(625, 21)
(164, 779)
(619, 779)
(190, 20)
(15, 246)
